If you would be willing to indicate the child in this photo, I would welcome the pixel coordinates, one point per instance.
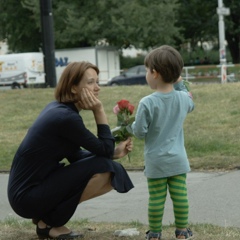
(159, 121)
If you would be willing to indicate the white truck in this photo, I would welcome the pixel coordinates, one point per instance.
(26, 69)
(22, 69)
(105, 58)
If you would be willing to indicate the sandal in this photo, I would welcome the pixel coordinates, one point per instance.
(153, 236)
(35, 221)
(186, 234)
(44, 234)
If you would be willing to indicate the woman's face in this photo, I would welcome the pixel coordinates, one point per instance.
(90, 81)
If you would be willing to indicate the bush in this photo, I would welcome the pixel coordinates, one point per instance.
(127, 62)
(196, 57)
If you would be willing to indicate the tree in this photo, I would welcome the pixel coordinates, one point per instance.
(119, 23)
(82, 23)
(199, 22)
(233, 29)
(18, 26)
(144, 24)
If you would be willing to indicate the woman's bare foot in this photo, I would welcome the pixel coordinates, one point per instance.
(56, 231)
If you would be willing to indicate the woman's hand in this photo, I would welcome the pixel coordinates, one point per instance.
(88, 101)
(123, 148)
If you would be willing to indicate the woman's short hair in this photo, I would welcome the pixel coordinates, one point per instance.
(167, 61)
(71, 76)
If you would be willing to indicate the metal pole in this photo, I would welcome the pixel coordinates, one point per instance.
(221, 28)
(48, 42)
(222, 11)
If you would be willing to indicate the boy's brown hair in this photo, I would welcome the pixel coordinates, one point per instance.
(70, 77)
(167, 61)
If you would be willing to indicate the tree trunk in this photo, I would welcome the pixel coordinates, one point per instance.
(233, 45)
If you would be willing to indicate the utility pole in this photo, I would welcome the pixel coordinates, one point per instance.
(222, 11)
(48, 42)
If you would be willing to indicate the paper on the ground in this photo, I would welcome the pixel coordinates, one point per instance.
(126, 232)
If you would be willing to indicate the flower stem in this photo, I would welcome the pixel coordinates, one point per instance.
(129, 157)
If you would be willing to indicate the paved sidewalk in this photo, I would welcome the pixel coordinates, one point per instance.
(213, 198)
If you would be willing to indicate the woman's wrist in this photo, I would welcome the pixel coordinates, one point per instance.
(100, 116)
(116, 154)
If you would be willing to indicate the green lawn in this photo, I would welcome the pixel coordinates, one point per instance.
(212, 130)
(11, 229)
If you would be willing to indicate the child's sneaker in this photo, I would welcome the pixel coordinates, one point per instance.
(153, 236)
(181, 234)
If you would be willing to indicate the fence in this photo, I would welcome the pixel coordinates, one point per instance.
(211, 73)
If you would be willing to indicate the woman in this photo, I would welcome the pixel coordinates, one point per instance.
(40, 186)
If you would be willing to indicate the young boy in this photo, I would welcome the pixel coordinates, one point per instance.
(159, 121)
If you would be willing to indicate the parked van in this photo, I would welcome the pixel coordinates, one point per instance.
(22, 70)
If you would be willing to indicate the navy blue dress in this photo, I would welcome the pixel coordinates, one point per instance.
(40, 185)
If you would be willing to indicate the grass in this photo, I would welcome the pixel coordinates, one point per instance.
(12, 229)
(211, 131)
(211, 135)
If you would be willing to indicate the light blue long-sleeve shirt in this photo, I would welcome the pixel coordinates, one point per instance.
(159, 121)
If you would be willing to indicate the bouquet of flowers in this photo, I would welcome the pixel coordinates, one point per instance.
(187, 83)
(124, 109)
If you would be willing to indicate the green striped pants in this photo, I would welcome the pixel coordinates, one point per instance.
(157, 188)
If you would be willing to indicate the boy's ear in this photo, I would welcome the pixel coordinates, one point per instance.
(73, 89)
(155, 74)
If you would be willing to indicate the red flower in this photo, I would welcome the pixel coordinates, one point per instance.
(130, 108)
(123, 104)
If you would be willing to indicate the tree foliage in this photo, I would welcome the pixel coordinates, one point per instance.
(233, 29)
(82, 23)
(142, 23)
(119, 23)
(199, 21)
(18, 26)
